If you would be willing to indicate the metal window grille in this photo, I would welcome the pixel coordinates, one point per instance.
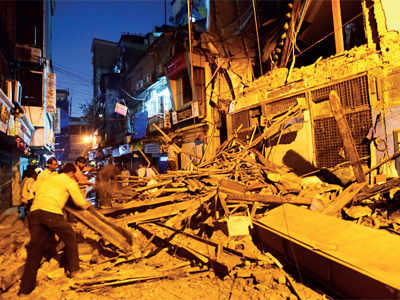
(328, 142)
(281, 105)
(353, 93)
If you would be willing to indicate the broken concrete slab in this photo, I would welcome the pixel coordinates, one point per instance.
(355, 261)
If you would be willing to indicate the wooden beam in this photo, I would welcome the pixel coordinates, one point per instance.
(157, 213)
(117, 236)
(337, 26)
(345, 132)
(394, 156)
(344, 197)
(262, 198)
(134, 204)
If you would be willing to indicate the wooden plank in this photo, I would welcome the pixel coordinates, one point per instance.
(196, 246)
(156, 213)
(344, 198)
(337, 26)
(131, 277)
(276, 127)
(176, 221)
(357, 261)
(117, 236)
(345, 132)
(377, 189)
(152, 186)
(139, 204)
(394, 156)
(248, 255)
(222, 197)
(263, 198)
(232, 185)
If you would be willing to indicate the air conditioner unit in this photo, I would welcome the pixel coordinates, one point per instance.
(26, 53)
(17, 92)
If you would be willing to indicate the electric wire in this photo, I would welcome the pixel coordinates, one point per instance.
(329, 34)
(258, 37)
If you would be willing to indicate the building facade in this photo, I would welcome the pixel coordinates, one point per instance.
(354, 53)
(27, 89)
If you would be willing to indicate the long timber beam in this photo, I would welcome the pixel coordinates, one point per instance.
(355, 261)
(110, 232)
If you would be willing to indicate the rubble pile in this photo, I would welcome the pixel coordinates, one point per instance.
(194, 224)
(157, 272)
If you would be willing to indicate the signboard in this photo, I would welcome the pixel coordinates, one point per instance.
(124, 149)
(176, 66)
(57, 122)
(107, 151)
(115, 152)
(51, 93)
(121, 109)
(4, 117)
(152, 148)
(139, 125)
(23, 132)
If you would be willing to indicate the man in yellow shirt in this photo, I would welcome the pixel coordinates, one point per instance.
(52, 165)
(47, 219)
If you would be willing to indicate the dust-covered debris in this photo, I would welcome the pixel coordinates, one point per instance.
(191, 231)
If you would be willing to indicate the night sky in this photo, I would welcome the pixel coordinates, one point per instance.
(76, 23)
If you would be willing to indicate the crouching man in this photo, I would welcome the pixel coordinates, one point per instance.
(47, 219)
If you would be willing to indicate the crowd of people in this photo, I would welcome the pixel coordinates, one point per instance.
(43, 196)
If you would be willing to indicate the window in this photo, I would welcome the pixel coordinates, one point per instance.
(184, 90)
(316, 36)
(32, 88)
(200, 83)
(152, 104)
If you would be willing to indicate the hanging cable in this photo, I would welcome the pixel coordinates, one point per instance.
(329, 34)
(133, 98)
(258, 37)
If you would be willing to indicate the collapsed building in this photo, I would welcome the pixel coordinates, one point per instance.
(260, 113)
(238, 65)
(359, 60)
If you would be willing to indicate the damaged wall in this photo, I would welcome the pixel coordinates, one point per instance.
(376, 62)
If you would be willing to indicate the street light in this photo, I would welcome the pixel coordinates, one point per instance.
(87, 139)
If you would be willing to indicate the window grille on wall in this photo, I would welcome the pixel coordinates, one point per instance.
(328, 143)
